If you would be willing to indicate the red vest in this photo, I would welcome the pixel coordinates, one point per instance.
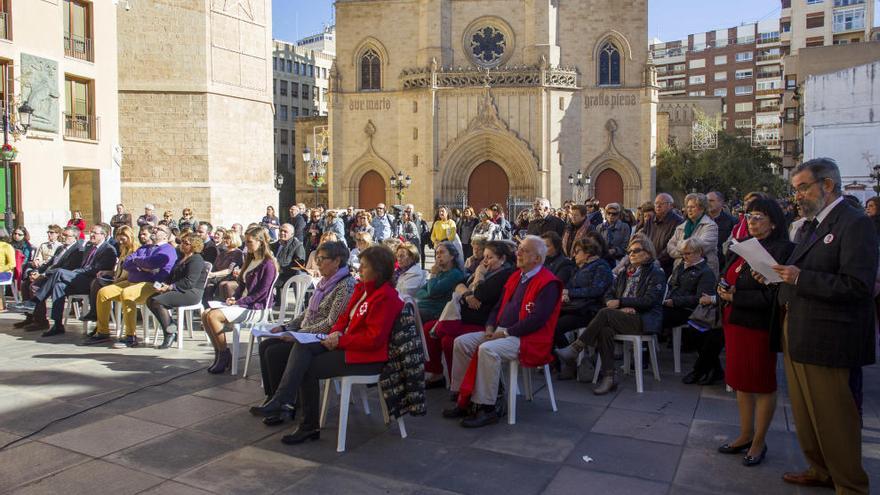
(535, 349)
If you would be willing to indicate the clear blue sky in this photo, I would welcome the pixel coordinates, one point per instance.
(669, 19)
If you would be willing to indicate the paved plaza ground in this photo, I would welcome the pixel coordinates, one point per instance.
(194, 435)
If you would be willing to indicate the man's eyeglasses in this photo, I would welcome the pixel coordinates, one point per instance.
(803, 188)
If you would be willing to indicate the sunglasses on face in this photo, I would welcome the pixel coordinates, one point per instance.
(635, 251)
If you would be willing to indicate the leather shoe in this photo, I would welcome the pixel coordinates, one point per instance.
(90, 316)
(37, 325)
(806, 479)
(55, 330)
(301, 436)
(692, 377)
(268, 408)
(273, 420)
(735, 449)
(750, 461)
(483, 417)
(455, 412)
(712, 377)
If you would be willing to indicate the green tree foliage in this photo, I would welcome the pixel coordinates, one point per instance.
(734, 168)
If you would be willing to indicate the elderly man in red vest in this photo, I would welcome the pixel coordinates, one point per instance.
(519, 327)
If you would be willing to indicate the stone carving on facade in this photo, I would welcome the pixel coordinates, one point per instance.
(233, 7)
(614, 159)
(536, 76)
(39, 88)
(487, 119)
(370, 159)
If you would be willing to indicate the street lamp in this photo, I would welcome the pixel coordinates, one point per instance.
(317, 169)
(279, 181)
(578, 185)
(876, 176)
(25, 112)
(399, 183)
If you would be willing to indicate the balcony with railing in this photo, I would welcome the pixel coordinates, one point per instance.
(81, 126)
(768, 57)
(4, 25)
(847, 3)
(766, 74)
(78, 47)
(768, 109)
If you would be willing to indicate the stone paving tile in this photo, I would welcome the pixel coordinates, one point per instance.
(626, 456)
(408, 459)
(472, 471)
(360, 431)
(22, 464)
(104, 437)
(93, 477)
(538, 442)
(174, 488)
(238, 426)
(183, 411)
(173, 454)
(249, 470)
(664, 402)
(570, 481)
(330, 480)
(241, 396)
(28, 416)
(722, 412)
(643, 426)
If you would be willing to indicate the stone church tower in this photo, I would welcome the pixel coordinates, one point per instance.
(195, 108)
(492, 101)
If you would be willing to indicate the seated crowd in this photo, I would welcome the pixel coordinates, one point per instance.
(545, 291)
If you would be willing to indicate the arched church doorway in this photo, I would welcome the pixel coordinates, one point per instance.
(488, 184)
(609, 187)
(371, 190)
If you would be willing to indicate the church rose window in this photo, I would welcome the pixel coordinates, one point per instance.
(609, 65)
(488, 45)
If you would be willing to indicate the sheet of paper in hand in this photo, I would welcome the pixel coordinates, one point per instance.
(758, 259)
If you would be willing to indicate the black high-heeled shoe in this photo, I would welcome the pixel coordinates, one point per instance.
(735, 449)
(168, 340)
(224, 360)
(750, 461)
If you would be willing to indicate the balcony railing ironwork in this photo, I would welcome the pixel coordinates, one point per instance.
(81, 126)
(78, 47)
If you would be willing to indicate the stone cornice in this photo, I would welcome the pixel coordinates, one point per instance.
(472, 77)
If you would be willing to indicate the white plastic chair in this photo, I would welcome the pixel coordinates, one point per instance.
(146, 316)
(636, 349)
(76, 301)
(265, 315)
(301, 284)
(182, 313)
(11, 283)
(345, 397)
(527, 384)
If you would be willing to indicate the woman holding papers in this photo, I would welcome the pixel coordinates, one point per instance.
(252, 297)
(331, 296)
(356, 345)
(748, 309)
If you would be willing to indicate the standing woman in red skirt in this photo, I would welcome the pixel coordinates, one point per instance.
(747, 315)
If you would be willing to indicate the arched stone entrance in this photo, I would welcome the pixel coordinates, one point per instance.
(488, 184)
(371, 190)
(609, 187)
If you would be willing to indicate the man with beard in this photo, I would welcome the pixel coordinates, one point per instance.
(828, 330)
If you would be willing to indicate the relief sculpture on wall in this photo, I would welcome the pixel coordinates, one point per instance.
(39, 88)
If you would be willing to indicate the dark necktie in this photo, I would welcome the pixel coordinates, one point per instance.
(90, 257)
(806, 231)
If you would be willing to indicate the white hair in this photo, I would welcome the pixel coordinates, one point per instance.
(538, 244)
(544, 202)
(148, 206)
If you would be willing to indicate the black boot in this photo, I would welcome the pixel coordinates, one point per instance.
(224, 359)
(301, 435)
(28, 319)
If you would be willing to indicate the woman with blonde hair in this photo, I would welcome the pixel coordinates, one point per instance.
(127, 243)
(252, 298)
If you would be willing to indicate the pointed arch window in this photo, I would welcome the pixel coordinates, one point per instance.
(609, 65)
(371, 70)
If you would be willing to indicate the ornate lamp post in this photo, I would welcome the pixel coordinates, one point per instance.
(8, 153)
(279, 181)
(876, 176)
(400, 183)
(579, 185)
(317, 171)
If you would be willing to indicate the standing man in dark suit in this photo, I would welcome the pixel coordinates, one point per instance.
(724, 220)
(828, 332)
(662, 227)
(100, 255)
(291, 256)
(69, 256)
(298, 220)
(210, 250)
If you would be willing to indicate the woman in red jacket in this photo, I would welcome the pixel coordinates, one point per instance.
(78, 222)
(356, 345)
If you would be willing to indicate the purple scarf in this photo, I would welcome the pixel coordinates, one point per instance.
(325, 286)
